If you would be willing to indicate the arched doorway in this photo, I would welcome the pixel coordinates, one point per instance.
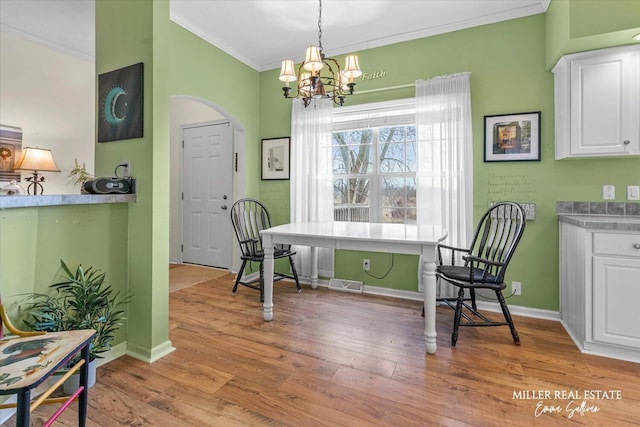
(188, 112)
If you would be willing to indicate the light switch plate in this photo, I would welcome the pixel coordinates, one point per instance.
(633, 192)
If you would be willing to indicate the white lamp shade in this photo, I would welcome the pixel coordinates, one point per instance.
(36, 159)
(313, 59)
(287, 73)
(351, 67)
(343, 81)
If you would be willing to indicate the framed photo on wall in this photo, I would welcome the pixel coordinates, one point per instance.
(275, 158)
(10, 151)
(512, 137)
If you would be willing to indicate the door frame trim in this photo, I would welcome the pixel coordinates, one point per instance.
(195, 125)
(239, 176)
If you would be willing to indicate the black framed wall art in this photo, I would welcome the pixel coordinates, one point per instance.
(275, 158)
(512, 137)
(120, 103)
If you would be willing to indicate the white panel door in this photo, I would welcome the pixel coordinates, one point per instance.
(207, 189)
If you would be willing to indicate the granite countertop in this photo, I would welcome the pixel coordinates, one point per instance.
(602, 222)
(7, 202)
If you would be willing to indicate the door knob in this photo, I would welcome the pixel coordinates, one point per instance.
(223, 207)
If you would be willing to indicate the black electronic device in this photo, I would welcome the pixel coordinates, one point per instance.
(108, 185)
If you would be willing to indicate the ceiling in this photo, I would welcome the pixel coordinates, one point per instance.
(261, 33)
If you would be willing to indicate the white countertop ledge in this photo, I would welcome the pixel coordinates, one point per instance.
(602, 222)
(8, 202)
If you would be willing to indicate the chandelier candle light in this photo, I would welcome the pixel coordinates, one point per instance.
(319, 76)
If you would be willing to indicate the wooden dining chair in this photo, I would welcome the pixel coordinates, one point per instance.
(249, 217)
(484, 265)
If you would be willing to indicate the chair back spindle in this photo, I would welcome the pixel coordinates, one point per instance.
(248, 218)
(497, 236)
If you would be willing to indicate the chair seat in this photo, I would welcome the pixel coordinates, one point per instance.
(459, 276)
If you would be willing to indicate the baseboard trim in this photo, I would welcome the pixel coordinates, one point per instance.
(612, 351)
(516, 310)
(519, 310)
(113, 353)
(149, 355)
(393, 293)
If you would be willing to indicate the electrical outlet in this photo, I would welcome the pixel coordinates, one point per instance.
(366, 265)
(608, 192)
(633, 192)
(516, 288)
(126, 168)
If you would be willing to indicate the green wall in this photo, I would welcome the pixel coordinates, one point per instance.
(176, 63)
(124, 34)
(34, 240)
(509, 74)
(580, 25)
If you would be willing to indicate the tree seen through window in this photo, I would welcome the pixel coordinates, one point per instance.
(374, 172)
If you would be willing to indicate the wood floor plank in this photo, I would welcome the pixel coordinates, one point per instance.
(337, 359)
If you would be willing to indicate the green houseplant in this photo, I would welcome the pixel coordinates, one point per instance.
(81, 299)
(79, 174)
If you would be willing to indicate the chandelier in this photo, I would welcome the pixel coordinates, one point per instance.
(319, 76)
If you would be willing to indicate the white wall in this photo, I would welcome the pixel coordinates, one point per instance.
(183, 111)
(51, 96)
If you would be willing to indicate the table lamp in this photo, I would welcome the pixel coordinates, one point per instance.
(36, 160)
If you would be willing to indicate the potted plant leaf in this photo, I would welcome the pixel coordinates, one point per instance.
(81, 299)
(80, 175)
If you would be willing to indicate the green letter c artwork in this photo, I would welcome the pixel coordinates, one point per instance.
(109, 106)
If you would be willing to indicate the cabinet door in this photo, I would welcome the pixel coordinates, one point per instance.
(616, 292)
(605, 110)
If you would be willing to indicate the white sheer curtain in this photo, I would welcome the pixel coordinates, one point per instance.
(311, 184)
(445, 163)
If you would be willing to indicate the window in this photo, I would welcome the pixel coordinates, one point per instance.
(374, 163)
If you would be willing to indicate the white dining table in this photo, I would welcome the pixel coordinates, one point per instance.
(371, 237)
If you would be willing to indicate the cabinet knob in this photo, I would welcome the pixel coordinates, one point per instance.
(626, 142)
(636, 246)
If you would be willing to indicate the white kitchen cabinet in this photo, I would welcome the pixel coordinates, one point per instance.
(600, 285)
(597, 103)
(616, 288)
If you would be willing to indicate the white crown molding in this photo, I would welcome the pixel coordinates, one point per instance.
(203, 34)
(427, 32)
(86, 56)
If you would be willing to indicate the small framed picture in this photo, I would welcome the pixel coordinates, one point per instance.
(512, 137)
(275, 158)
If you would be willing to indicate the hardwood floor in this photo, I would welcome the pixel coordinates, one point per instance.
(339, 359)
(185, 275)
